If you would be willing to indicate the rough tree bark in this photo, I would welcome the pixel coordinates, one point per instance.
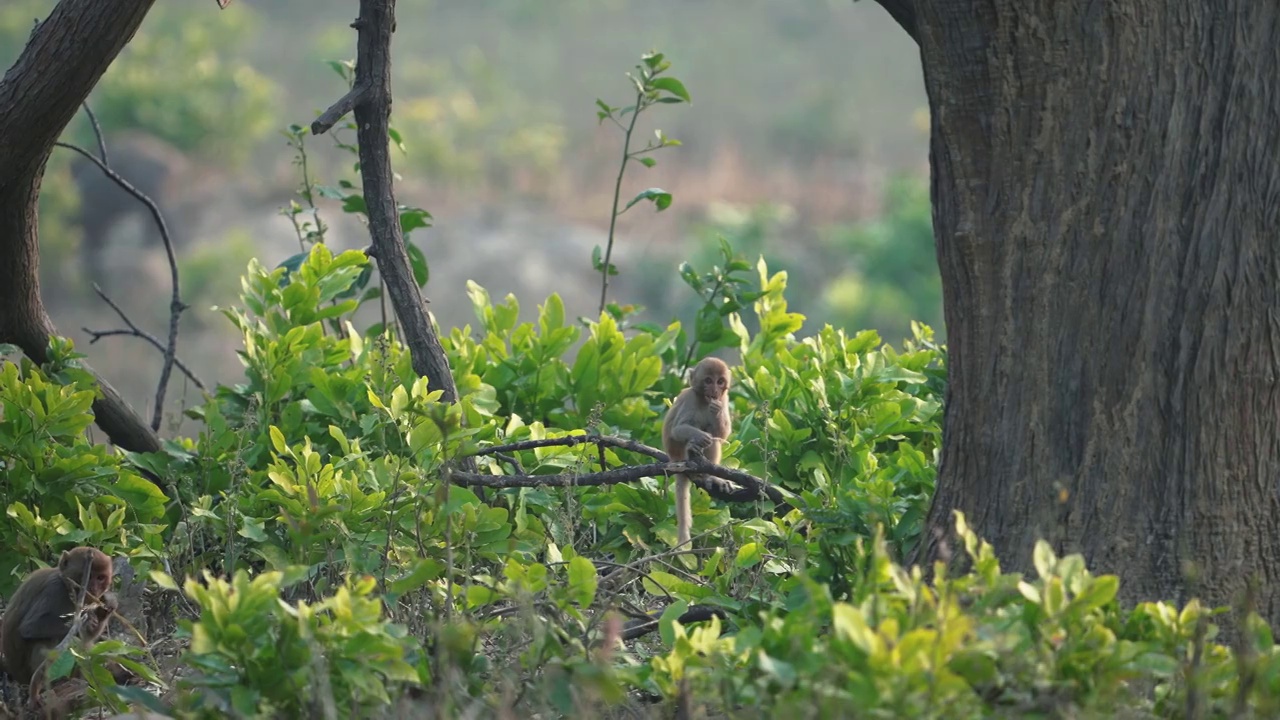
(370, 99)
(1106, 190)
(63, 60)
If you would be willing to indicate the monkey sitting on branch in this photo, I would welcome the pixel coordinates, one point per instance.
(697, 423)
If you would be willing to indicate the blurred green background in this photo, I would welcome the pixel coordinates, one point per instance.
(806, 142)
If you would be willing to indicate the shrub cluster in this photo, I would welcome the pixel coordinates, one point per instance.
(328, 567)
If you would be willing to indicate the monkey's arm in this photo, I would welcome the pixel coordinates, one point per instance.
(691, 436)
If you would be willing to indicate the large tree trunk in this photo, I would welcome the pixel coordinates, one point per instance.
(1106, 188)
(64, 59)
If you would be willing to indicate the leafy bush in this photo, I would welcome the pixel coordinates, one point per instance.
(252, 653)
(359, 579)
(59, 489)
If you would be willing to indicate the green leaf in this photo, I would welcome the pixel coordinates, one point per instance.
(424, 571)
(418, 261)
(61, 666)
(666, 626)
(414, 218)
(582, 581)
(673, 86)
(1044, 559)
(659, 197)
(749, 554)
(1101, 591)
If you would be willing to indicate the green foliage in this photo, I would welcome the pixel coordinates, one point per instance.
(59, 489)
(332, 566)
(309, 225)
(979, 645)
(356, 572)
(253, 654)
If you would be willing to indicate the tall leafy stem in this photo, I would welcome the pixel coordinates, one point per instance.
(652, 88)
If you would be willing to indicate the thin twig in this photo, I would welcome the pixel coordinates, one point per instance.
(617, 194)
(97, 133)
(572, 440)
(135, 331)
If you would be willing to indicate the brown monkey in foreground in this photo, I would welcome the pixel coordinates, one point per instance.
(40, 613)
(696, 424)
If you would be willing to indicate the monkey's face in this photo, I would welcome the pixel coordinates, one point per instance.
(100, 578)
(714, 385)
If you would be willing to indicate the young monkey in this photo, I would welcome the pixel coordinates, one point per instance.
(696, 424)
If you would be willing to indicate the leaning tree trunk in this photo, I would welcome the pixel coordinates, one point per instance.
(1106, 189)
(67, 53)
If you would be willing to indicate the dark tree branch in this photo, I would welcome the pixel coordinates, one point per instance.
(336, 111)
(67, 54)
(742, 486)
(696, 613)
(572, 440)
(97, 133)
(370, 98)
(176, 306)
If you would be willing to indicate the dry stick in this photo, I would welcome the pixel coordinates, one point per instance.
(97, 132)
(753, 488)
(176, 306)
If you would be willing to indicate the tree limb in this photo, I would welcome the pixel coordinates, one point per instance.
(65, 57)
(743, 486)
(370, 98)
(572, 440)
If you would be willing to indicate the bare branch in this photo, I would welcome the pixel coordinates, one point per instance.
(371, 104)
(572, 440)
(338, 110)
(135, 331)
(751, 487)
(176, 306)
(97, 132)
(63, 59)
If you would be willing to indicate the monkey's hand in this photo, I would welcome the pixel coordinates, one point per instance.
(107, 604)
(698, 444)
